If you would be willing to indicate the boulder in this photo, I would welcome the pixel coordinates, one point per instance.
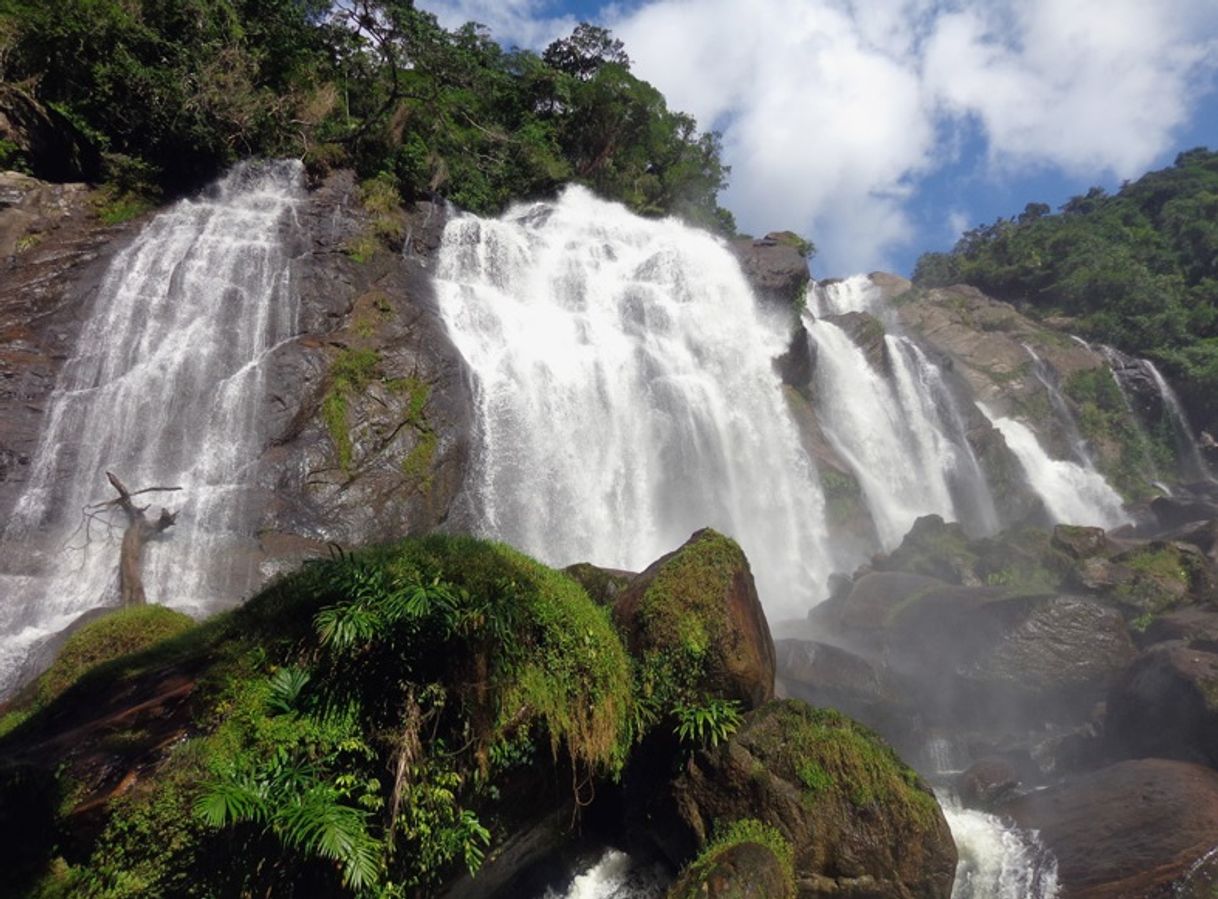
(1166, 705)
(693, 617)
(602, 584)
(776, 266)
(744, 869)
(1136, 828)
(987, 782)
(985, 653)
(859, 821)
(822, 674)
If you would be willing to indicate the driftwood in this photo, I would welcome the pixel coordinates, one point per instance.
(139, 530)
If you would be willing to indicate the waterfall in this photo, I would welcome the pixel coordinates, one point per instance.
(1048, 379)
(163, 388)
(854, 294)
(1072, 493)
(1189, 455)
(615, 875)
(900, 458)
(625, 394)
(997, 860)
(940, 429)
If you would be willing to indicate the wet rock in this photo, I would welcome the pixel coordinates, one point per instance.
(1166, 705)
(797, 365)
(776, 265)
(987, 782)
(1171, 512)
(1081, 542)
(602, 584)
(859, 820)
(741, 871)
(985, 653)
(867, 333)
(47, 141)
(53, 254)
(1132, 829)
(825, 675)
(703, 592)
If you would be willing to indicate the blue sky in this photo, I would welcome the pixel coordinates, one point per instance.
(883, 128)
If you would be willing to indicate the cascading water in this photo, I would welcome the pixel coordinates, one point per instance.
(163, 389)
(892, 439)
(625, 394)
(1187, 452)
(854, 294)
(996, 860)
(1048, 380)
(1071, 493)
(615, 875)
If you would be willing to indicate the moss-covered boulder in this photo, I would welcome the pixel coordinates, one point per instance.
(746, 860)
(695, 626)
(854, 814)
(394, 715)
(603, 585)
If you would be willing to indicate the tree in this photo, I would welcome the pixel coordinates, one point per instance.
(139, 531)
(584, 53)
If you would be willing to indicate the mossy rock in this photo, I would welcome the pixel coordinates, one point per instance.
(499, 681)
(833, 790)
(603, 585)
(695, 626)
(748, 860)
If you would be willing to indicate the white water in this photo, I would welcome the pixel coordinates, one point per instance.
(901, 460)
(857, 293)
(163, 389)
(625, 394)
(613, 876)
(1072, 494)
(997, 860)
(1187, 452)
(1048, 380)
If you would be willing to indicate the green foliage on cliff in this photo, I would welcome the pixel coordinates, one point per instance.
(187, 87)
(1137, 269)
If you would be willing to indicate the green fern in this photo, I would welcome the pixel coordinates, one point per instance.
(709, 723)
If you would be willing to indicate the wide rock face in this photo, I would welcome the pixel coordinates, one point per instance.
(1133, 829)
(53, 253)
(372, 401)
(695, 613)
(859, 821)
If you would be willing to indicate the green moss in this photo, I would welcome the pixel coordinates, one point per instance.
(1162, 577)
(362, 247)
(350, 372)
(843, 496)
(1126, 454)
(118, 633)
(114, 207)
(694, 880)
(683, 624)
(417, 465)
(849, 764)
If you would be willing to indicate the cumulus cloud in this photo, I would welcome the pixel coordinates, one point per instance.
(832, 111)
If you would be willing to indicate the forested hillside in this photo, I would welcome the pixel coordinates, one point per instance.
(173, 91)
(1138, 270)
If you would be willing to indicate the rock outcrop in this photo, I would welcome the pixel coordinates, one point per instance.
(1136, 828)
(860, 822)
(776, 265)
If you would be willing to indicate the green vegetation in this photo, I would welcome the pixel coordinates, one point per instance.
(181, 90)
(685, 635)
(843, 496)
(837, 760)
(746, 831)
(350, 372)
(1138, 269)
(1127, 453)
(117, 633)
(708, 723)
(348, 730)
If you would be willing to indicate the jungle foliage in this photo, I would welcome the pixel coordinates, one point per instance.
(172, 91)
(1137, 269)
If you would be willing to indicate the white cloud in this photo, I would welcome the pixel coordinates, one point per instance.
(833, 110)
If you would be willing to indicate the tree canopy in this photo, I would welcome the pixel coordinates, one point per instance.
(1137, 269)
(172, 91)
